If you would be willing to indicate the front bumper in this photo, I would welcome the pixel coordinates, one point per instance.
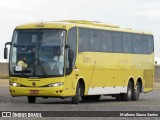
(42, 91)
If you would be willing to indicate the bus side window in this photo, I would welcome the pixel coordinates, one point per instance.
(95, 41)
(106, 41)
(150, 44)
(137, 43)
(84, 43)
(144, 44)
(127, 43)
(117, 42)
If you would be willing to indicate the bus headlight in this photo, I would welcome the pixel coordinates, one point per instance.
(56, 84)
(15, 84)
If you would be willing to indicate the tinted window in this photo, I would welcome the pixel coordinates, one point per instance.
(72, 39)
(112, 41)
(117, 42)
(150, 44)
(127, 43)
(84, 40)
(106, 41)
(95, 40)
(137, 43)
(72, 42)
(145, 44)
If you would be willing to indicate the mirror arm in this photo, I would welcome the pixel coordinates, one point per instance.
(67, 46)
(8, 43)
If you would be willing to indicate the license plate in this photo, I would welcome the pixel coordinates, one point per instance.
(34, 91)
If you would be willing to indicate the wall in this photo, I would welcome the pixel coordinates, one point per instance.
(157, 73)
(3, 70)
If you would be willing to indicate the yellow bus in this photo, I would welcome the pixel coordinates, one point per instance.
(79, 59)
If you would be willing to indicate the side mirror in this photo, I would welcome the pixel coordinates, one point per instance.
(70, 53)
(5, 53)
(67, 46)
(6, 50)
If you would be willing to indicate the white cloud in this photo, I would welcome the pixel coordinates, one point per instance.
(150, 11)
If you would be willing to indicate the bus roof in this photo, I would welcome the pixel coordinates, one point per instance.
(66, 24)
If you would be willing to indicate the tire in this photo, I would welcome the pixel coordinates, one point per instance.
(75, 99)
(91, 98)
(136, 92)
(128, 96)
(31, 99)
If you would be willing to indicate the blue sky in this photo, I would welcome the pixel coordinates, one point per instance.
(136, 14)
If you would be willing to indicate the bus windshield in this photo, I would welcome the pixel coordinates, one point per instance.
(37, 53)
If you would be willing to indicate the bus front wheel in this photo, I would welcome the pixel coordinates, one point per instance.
(31, 99)
(75, 99)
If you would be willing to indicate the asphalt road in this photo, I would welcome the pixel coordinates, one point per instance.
(147, 102)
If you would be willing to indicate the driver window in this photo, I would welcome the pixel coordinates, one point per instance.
(71, 55)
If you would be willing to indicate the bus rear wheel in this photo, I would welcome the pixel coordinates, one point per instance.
(31, 99)
(136, 92)
(128, 96)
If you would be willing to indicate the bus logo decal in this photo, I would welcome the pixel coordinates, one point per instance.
(34, 84)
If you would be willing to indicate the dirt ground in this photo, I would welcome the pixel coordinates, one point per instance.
(4, 82)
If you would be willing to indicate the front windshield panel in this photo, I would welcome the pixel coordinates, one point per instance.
(37, 53)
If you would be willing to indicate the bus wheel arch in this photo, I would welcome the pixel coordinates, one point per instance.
(80, 88)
